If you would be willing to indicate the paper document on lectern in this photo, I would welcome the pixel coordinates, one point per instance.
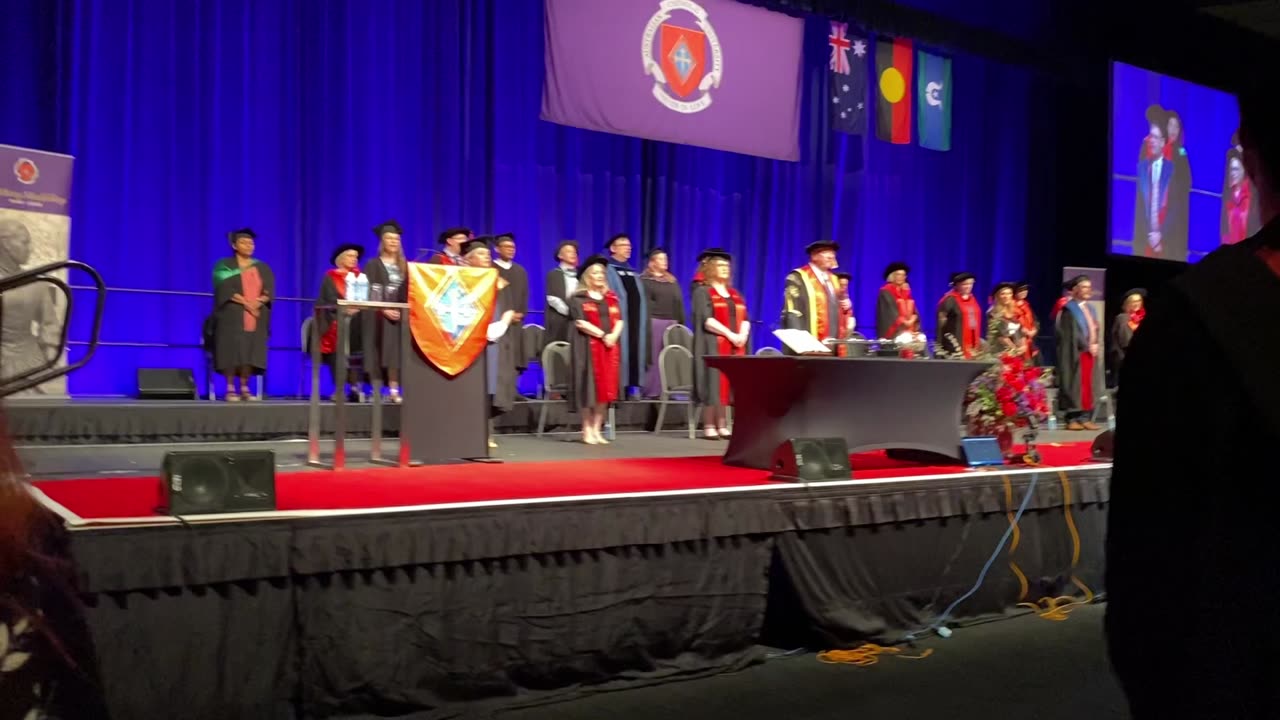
(801, 342)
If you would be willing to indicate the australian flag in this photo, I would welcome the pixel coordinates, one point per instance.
(847, 80)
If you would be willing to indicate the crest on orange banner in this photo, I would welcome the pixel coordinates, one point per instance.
(449, 312)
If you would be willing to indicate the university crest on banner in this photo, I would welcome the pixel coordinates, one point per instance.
(676, 56)
(449, 312)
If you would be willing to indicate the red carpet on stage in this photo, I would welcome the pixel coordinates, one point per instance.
(123, 497)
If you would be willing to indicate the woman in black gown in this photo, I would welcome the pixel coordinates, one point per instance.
(390, 273)
(333, 287)
(1124, 326)
(666, 308)
(243, 287)
(720, 327)
(597, 358)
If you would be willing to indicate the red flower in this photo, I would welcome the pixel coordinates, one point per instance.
(1009, 409)
(1004, 394)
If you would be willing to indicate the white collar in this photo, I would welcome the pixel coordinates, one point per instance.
(504, 264)
(568, 270)
(822, 274)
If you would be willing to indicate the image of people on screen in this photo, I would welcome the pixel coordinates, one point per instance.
(1240, 216)
(1163, 188)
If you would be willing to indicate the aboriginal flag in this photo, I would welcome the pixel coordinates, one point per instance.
(893, 96)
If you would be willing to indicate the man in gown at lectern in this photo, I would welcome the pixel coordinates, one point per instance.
(811, 300)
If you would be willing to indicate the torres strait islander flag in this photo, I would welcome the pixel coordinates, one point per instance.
(893, 97)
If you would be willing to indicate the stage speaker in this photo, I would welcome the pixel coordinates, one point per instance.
(1104, 446)
(166, 384)
(201, 482)
(812, 460)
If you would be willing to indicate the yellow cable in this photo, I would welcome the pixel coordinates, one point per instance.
(866, 655)
(1023, 586)
(1059, 608)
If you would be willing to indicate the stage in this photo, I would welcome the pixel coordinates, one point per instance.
(396, 591)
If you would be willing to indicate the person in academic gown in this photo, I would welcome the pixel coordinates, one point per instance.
(517, 295)
(243, 288)
(811, 297)
(666, 308)
(1124, 325)
(720, 327)
(598, 325)
(1239, 211)
(1061, 302)
(896, 313)
(333, 287)
(848, 323)
(1030, 323)
(1080, 370)
(626, 284)
(1151, 205)
(1004, 324)
(561, 284)
(390, 271)
(1178, 213)
(451, 242)
(960, 319)
(500, 354)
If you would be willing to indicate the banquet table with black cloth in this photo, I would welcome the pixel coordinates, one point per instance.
(873, 403)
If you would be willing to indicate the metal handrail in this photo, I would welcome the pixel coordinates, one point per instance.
(49, 370)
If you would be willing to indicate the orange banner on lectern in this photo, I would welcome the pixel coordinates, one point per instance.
(449, 312)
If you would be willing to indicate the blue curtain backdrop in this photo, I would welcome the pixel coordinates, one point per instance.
(310, 120)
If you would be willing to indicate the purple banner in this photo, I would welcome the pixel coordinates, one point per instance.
(35, 181)
(715, 73)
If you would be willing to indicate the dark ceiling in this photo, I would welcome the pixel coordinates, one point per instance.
(1260, 16)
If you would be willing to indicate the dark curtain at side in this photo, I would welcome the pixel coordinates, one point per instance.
(311, 121)
(845, 576)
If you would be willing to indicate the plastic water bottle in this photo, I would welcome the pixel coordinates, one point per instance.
(1053, 421)
(362, 287)
(1111, 422)
(351, 287)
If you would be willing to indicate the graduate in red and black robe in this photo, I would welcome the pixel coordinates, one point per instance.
(1125, 325)
(960, 319)
(720, 327)
(451, 241)
(596, 352)
(896, 313)
(848, 323)
(1030, 323)
(1061, 302)
(346, 259)
(1080, 370)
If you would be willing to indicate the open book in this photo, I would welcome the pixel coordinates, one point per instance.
(801, 342)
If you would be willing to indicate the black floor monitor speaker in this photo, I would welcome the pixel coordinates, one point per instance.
(812, 460)
(166, 384)
(201, 482)
(1104, 446)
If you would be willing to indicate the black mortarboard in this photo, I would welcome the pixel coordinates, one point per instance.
(820, 245)
(616, 238)
(1001, 286)
(390, 226)
(1156, 116)
(479, 243)
(957, 278)
(1073, 282)
(242, 232)
(1021, 285)
(895, 267)
(715, 252)
(593, 260)
(1140, 292)
(344, 248)
(454, 231)
(843, 276)
(504, 236)
(564, 244)
(656, 251)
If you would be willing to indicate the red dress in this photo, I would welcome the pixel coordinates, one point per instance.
(595, 373)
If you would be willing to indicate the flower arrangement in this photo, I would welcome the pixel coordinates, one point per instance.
(1010, 394)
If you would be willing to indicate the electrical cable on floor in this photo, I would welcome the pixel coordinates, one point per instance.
(1059, 608)
(866, 655)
